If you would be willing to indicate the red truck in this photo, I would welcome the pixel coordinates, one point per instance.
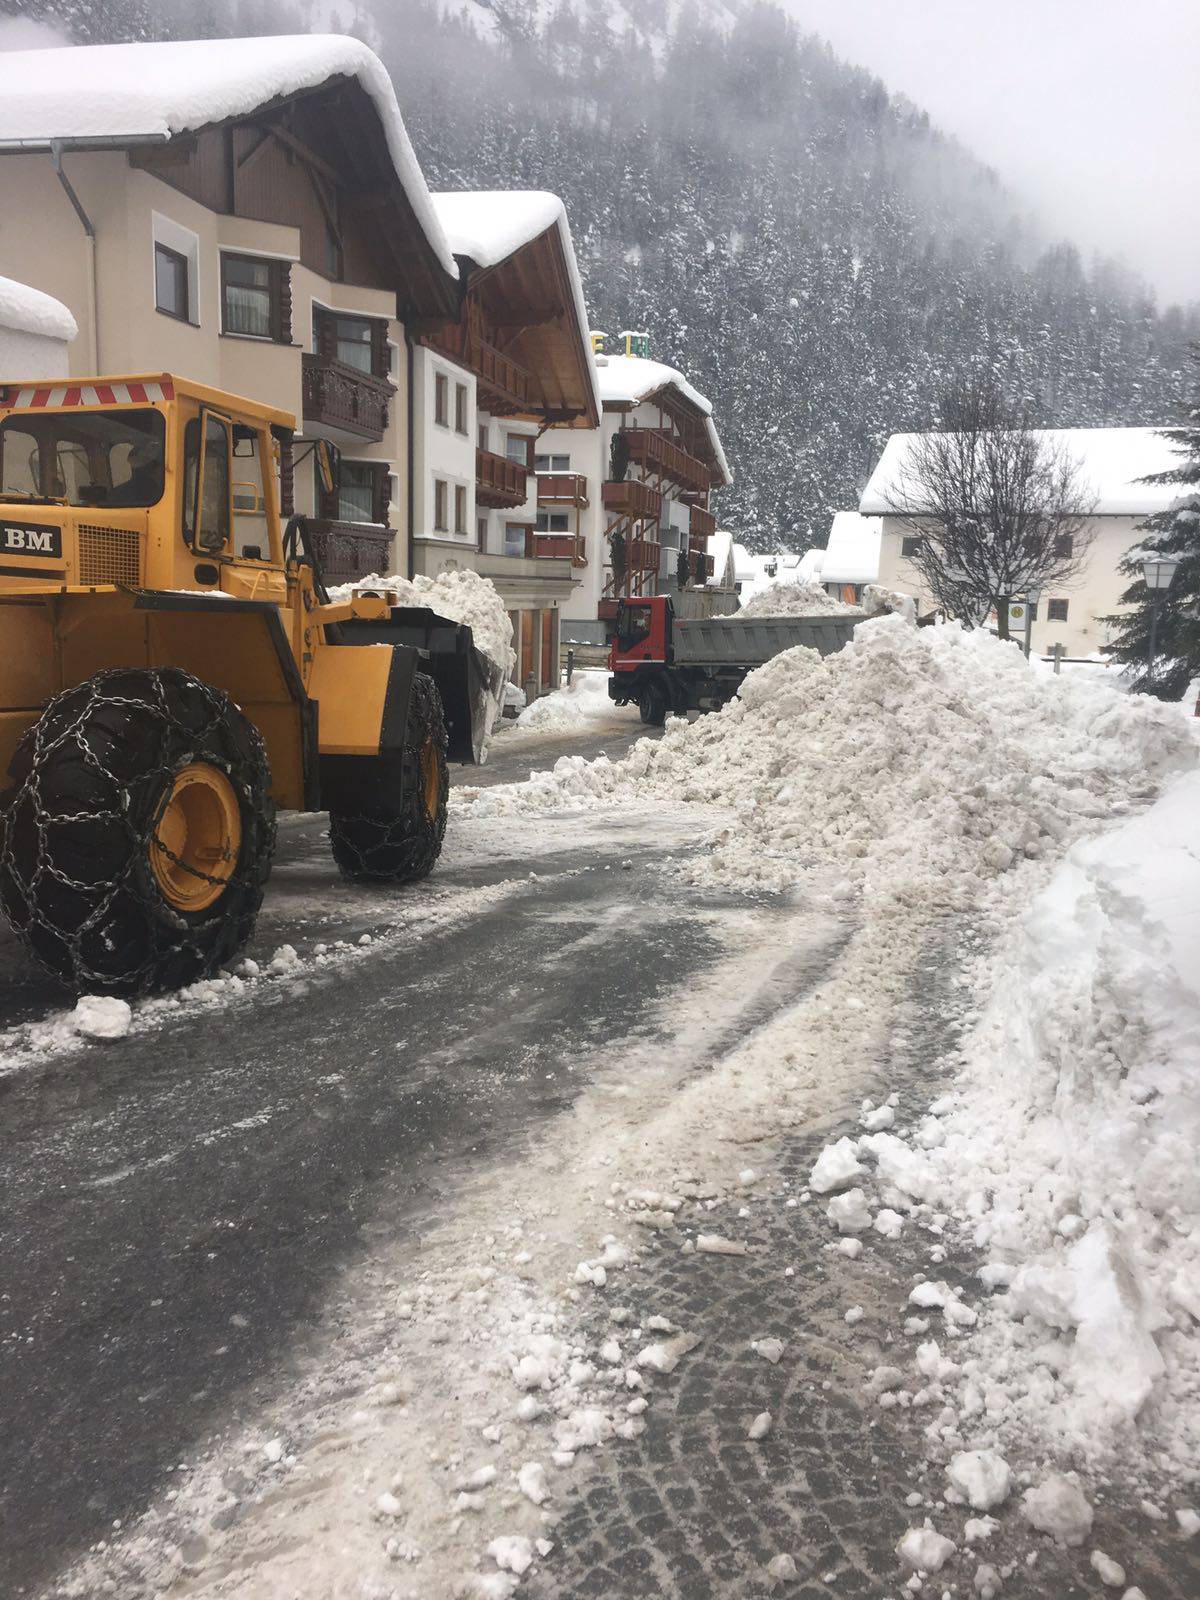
(662, 665)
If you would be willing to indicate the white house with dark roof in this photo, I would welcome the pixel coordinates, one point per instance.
(1113, 462)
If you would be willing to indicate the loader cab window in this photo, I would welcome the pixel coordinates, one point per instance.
(633, 626)
(251, 529)
(83, 458)
(206, 510)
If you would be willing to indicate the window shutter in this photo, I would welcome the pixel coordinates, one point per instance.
(379, 491)
(379, 349)
(324, 335)
(281, 302)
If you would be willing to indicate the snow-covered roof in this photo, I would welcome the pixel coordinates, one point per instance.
(491, 225)
(628, 380)
(852, 552)
(146, 92)
(810, 566)
(1111, 462)
(26, 310)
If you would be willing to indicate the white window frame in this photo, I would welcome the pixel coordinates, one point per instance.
(166, 231)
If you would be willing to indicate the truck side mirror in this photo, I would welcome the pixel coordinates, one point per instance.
(329, 465)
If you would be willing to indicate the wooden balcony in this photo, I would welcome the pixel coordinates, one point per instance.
(658, 453)
(703, 523)
(632, 498)
(341, 399)
(349, 550)
(571, 545)
(499, 482)
(504, 386)
(562, 489)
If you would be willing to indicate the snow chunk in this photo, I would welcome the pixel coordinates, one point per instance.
(666, 1354)
(100, 1016)
(760, 1427)
(836, 1167)
(1111, 1573)
(769, 1349)
(1057, 1506)
(924, 1549)
(981, 1477)
(512, 1553)
(531, 1480)
(712, 1244)
(889, 1223)
(849, 1212)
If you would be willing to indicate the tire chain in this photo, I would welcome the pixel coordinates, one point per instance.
(51, 735)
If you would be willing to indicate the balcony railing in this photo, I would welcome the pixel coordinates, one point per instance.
(499, 482)
(654, 450)
(632, 498)
(571, 545)
(562, 489)
(504, 385)
(703, 523)
(349, 550)
(339, 396)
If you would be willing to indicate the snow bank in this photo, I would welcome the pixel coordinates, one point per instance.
(919, 764)
(1071, 1144)
(462, 596)
(804, 598)
(584, 699)
(27, 310)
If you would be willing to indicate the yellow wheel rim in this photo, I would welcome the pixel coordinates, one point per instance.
(431, 778)
(197, 837)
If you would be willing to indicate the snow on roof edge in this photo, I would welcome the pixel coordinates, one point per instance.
(27, 310)
(140, 91)
(525, 214)
(644, 377)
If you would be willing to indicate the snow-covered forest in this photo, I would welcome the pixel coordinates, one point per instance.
(803, 243)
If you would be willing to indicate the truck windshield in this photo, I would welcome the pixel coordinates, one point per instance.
(633, 624)
(83, 458)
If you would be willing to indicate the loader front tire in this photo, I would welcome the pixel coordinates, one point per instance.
(395, 835)
(136, 841)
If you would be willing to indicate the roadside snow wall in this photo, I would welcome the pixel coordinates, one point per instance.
(463, 597)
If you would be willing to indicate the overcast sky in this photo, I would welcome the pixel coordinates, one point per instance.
(1089, 108)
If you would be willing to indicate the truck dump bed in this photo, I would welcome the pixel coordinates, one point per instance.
(730, 642)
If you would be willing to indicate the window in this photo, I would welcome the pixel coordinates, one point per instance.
(481, 533)
(358, 342)
(441, 400)
(352, 339)
(1064, 547)
(460, 408)
(1057, 611)
(911, 546)
(86, 458)
(460, 509)
(516, 538)
(206, 515)
(553, 522)
(551, 463)
(440, 498)
(356, 491)
(517, 447)
(251, 531)
(170, 282)
(256, 298)
(483, 436)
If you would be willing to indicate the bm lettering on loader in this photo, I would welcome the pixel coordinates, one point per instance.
(173, 672)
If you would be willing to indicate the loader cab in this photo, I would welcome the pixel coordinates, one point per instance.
(229, 536)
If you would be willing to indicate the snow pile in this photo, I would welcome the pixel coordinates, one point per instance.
(27, 310)
(582, 700)
(463, 596)
(803, 598)
(915, 765)
(1071, 1144)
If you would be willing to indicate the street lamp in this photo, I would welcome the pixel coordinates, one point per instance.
(1158, 572)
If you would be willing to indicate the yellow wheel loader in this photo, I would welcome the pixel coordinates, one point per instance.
(172, 671)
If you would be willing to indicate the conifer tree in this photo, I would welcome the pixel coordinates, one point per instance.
(1174, 532)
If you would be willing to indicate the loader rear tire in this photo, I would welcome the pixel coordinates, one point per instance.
(136, 842)
(396, 837)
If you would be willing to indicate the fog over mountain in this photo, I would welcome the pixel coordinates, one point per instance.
(807, 246)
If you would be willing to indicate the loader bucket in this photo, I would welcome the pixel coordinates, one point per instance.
(465, 677)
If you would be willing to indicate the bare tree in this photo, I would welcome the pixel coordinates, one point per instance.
(993, 506)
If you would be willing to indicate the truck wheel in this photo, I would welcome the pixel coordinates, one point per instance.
(397, 837)
(136, 843)
(652, 704)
